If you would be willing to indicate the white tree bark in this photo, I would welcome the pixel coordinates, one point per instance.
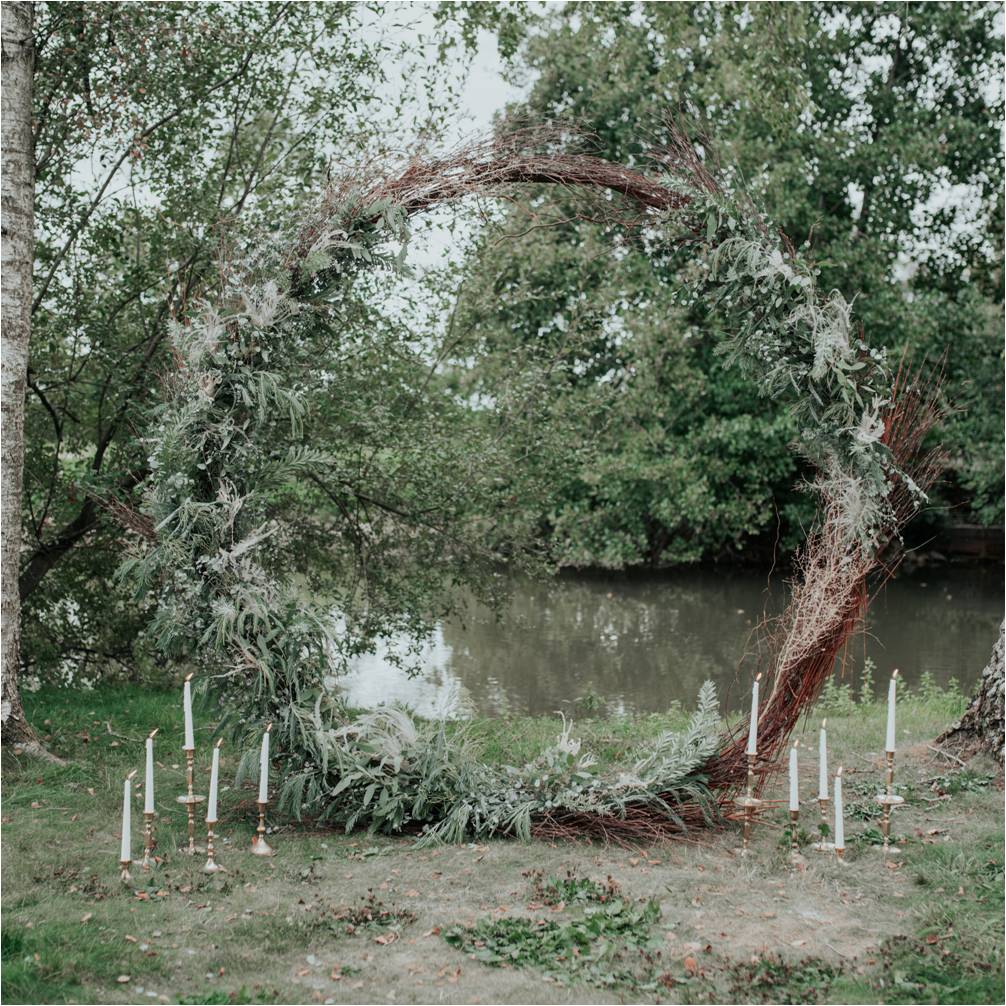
(18, 226)
(982, 726)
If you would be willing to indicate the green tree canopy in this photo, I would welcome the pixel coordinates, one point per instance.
(166, 136)
(870, 133)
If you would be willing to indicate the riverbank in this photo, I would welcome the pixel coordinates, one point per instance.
(367, 919)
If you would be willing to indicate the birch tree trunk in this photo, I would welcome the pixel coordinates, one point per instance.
(981, 728)
(18, 239)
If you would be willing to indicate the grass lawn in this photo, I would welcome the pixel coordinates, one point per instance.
(359, 918)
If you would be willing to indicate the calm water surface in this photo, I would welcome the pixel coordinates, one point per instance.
(625, 645)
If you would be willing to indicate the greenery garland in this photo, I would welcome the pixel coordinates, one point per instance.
(233, 470)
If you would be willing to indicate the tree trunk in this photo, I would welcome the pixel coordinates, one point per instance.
(18, 239)
(981, 727)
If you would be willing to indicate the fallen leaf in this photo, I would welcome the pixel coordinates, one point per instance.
(131, 939)
(435, 931)
(932, 938)
(691, 965)
(412, 894)
(122, 979)
(385, 938)
(87, 916)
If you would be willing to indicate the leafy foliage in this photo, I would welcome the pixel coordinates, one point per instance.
(608, 943)
(391, 773)
(878, 158)
(167, 134)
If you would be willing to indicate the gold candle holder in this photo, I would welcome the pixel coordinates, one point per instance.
(191, 800)
(888, 801)
(148, 838)
(794, 831)
(125, 876)
(212, 866)
(824, 845)
(748, 803)
(260, 847)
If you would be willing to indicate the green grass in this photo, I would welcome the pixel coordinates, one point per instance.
(61, 962)
(954, 953)
(307, 923)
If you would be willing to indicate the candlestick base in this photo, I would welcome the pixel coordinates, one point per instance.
(212, 866)
(125, 876)
(260, 847)
(840, 856)
(823, 845)
(749, 804)
(190, 801)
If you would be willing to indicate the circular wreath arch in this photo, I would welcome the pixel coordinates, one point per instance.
(219, 606)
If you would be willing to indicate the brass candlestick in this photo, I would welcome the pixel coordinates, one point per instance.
(125, 876)
(148, 837)
(888, 801)
(749, 802)
(190, 799)
(794, 829)
(212, 866)
(824, 845)
(260, 847)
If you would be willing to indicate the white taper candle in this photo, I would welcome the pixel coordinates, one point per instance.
(839, 812)
(794, 783)
(891, 694)
(211, 807)
(263, 768)
(190, 743)
(148, 777)
(126, 852)
(822, 762)
(753, 726)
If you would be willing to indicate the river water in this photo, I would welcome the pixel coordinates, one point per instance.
(618, 644)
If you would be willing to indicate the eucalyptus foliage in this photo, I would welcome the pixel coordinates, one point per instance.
(387, 771)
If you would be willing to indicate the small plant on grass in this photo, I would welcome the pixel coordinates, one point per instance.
(803, 837)
(770, 979)
(374, 916)
(605, 945)
(570, 889)
(607, 939)
(965, 781)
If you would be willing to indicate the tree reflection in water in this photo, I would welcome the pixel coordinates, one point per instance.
(617, 644)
